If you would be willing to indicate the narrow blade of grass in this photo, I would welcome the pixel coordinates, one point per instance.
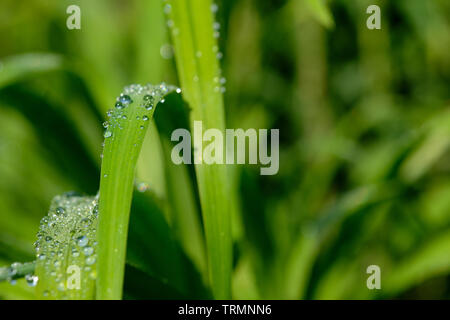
(196, 54)
(124, 136)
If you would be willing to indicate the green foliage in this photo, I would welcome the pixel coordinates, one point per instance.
(124, 135)
(364, 146)
(196, 50)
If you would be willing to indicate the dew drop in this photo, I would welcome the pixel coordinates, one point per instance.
(148, 98)
(167, 8)
(12, 271)
(82, 241)
(61, 286)
(166, 51)
(125, 99)
(90, 260)
(88, 251)
(143, 186)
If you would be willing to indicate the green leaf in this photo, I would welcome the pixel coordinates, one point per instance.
(124, 135)
(196, 51)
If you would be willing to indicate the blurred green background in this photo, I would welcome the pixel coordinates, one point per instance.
(364, 119)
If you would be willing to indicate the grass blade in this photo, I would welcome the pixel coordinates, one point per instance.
(196, 54)
(124, 135)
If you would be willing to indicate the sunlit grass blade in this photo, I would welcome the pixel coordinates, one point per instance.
(124, 136)
(196, 53)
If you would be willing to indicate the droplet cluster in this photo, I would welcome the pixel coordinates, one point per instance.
(144, 96)
(67, 237)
